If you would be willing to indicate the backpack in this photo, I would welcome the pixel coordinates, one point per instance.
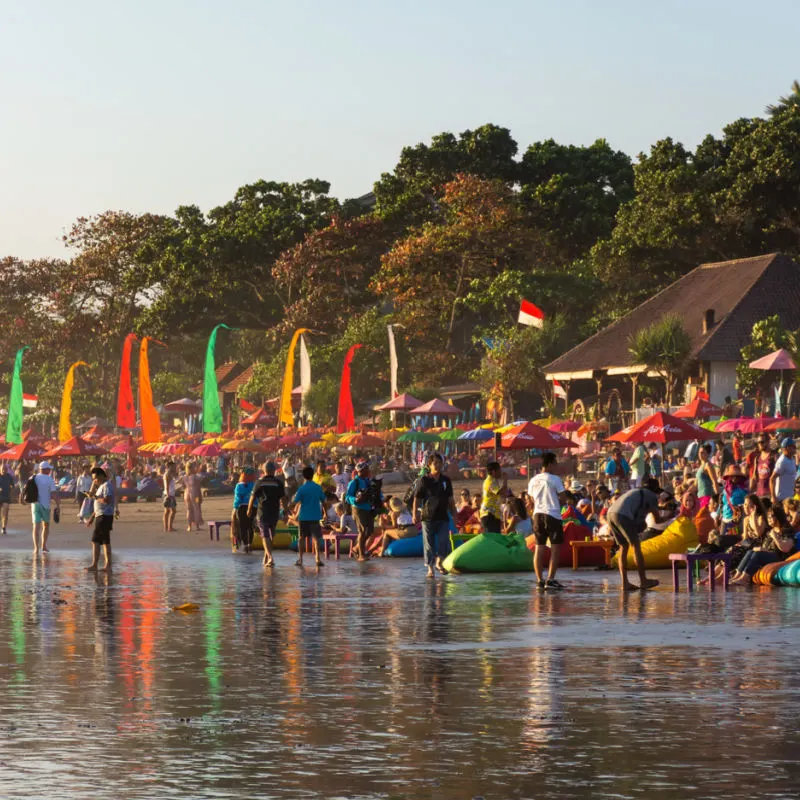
(30, 494)
(411, 492)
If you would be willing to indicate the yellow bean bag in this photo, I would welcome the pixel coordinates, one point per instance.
(280, 541)
(679, 537)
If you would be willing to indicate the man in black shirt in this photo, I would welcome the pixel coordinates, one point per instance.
(270, 496)
(434, 503)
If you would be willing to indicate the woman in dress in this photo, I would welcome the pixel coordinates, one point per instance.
(705, 477)
(191, 498)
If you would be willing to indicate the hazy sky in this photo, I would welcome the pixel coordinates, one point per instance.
(145, 105)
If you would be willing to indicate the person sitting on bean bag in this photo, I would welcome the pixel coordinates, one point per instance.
(779, 543)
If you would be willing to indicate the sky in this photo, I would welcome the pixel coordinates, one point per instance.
(146, 105)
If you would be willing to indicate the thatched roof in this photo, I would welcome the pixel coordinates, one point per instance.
(737, 294)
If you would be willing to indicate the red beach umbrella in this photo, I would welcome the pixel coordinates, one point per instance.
(660, 427)
(698, 409)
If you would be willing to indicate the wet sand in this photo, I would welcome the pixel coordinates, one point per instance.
(367, 682)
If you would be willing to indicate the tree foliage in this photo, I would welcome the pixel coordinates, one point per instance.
(663, 346)
(768, 335)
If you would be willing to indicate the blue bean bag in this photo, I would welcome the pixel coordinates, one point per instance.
(789, 574)
(405, 548)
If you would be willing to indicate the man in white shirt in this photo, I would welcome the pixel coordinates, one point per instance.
(782, 480)
(46, 491)
(548, 494)
(341, 480)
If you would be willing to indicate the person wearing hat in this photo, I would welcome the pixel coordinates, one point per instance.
(104, 494)
(270, 496)
(734, 494)
(362, 503)
(782, 480)
(46, 493)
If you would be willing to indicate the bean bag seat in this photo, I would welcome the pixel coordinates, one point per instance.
(704, 523)
(280, 541)
(789, 572)
(767, 575)
(679, 537)
(491, 552)
(405, 548)
(458, 539)
(573, 531)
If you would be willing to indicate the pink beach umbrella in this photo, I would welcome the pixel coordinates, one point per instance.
(565, 426)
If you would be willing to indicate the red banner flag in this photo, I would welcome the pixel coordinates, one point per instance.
(151, 423)
(346, 418)
(126, 413)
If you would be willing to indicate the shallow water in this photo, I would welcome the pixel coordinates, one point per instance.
(367, 681)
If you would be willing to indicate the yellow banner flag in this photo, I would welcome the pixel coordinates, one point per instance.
(64, 425)
(286, 416)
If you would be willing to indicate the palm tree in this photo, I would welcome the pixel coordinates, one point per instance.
(791, 100)
(664, 347)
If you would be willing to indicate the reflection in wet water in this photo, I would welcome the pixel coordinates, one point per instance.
(367, 681)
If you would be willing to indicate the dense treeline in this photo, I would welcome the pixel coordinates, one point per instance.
(462, 228)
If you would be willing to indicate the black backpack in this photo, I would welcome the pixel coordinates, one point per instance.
(30, 493)
(411, 492)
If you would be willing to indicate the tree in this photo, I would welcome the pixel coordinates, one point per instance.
(768, 335)
(513, 359)
(787, 101)
(665, 347)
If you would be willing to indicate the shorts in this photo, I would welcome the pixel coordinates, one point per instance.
(170, 503)
(313, 529)
(267, 526)
(102, 529)
(39, 513)
(547, 528)
(623, 528)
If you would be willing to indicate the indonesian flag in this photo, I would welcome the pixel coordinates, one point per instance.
(558, 390)
(246, 406)
(30, 400)
(530, 314)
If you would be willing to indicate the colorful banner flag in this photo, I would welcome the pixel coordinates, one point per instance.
(151, 423)
(346, 417)
(285, 414)
(212, 412)
(392, 361)
(126, 413)
(14, 424)
(530, 314)
(305, 373)
(64, 424)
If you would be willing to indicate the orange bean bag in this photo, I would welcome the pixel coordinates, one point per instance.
(764, 576)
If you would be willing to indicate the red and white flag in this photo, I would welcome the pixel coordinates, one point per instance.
(30, 400)
(558, 390)
(530, 314)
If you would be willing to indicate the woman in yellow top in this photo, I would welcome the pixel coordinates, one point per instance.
(494, 488)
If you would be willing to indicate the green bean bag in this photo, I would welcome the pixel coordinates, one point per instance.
(679, 537)
(491, 552)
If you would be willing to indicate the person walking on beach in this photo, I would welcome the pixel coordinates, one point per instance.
(548, 494)
(270, 496)
(104, 494)
(340, 480)
(191, 498)
(46, 494)
(434, 496)
(309, 503)
(82, 484)
(495, 486)
(361, 500)
(782, 480)
(627, 519)
(6, 485)
(170, 503)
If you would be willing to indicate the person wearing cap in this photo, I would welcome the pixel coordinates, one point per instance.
(734, 493)
(270, 496)
(104, 494)
(47, 493)
(782, 480)
(358, 496)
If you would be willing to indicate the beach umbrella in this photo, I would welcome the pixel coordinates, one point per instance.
(713, 425)
(184, 406)
(436, 407)
(75, 447)
(362, 441)
(660, 427)
(173, 449)
(150, 447)
(527, 436)
(418, 436)
(477, 435)
(243, 446)
(207, 450)
(214, 440)
(791, 424)
(757, 425)
(779, 360)
(450, 435)
(23, 452)
(95, 432)
(565, 426)
(699, 408)
(730, 425)
(258, 417)
(126, 446)
(403, 402)
(596, 426)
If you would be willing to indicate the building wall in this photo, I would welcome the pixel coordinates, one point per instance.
(721, 381)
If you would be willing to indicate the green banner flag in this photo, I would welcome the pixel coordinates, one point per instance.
(14, 426)
(212, 413)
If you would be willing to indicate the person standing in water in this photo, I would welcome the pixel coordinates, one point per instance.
(548, 494)
(270, 496)
(104, 494)
(626, 518)
(435, 497)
